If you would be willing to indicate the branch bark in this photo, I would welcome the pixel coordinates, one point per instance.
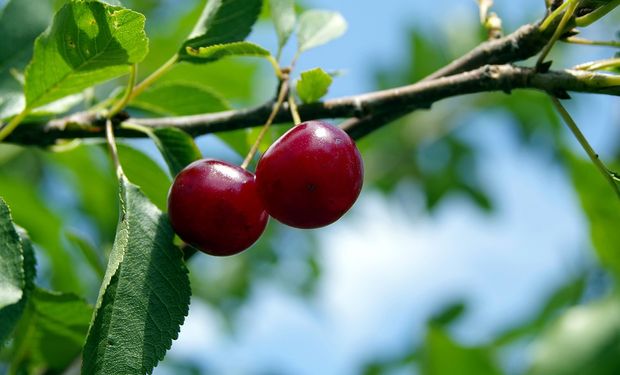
(483, 69)
(385, 104)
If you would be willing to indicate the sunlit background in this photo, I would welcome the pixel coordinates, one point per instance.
(468, 242)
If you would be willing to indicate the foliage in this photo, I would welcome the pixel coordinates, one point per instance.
(78, 215)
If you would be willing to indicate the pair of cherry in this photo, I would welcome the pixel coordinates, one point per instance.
(308, 178)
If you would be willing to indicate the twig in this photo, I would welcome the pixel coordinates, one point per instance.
(585, 144)
(399, 101)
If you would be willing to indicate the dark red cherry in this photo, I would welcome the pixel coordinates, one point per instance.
(311, 176)
(214, 206)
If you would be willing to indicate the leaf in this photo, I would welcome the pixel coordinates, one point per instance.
(218, 51)
(283, 16)
(20, 23)
(601, 207)
(317, 27)
(91, 255)
(145, 294)
(44, 226)
(179, 99)
(222, 21)
(89, 42)
(177, 147)
(146, 173)
(16, 272)
(584, 340)
(442, 355)
(58, 327)
(313, 85)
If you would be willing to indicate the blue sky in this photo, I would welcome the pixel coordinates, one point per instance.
(387, 266)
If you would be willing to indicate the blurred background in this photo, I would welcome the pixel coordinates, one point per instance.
(484, 241)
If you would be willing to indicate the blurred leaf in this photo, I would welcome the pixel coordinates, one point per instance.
(145, 294)
(221, 21)
(146, 173)
(449, 314)
(273, 133)
(317, 27)
(585, 340)
(602, 208)
(88, 43)
(179, 99)
(44, 227)
(177, 147)
(92, 256)
(96, 190)
(313, 85)
(565, 296)
(54, 331)
(283, 16)
(20, 23)
(218, 51)
(442, 355)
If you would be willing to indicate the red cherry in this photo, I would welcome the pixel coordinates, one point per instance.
(311, 176)
(214, 206)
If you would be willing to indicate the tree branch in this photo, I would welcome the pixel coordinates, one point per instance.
(423, 94)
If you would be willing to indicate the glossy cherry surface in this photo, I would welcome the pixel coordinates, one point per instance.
(214, 206)
(311, 176)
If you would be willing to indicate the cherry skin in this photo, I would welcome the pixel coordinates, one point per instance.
(214, 206)
(311, 176)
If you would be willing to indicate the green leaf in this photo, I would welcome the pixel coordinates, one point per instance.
(44, 226)
(602, 208)
(20, 23)
(145, 294)
(317, 27)
(92, 256)
(56, 328)
(88, 43)
(313, 85)
(177, 147)
(12, 274)
(146, 173)
(222, 21)
(218, 51)
(584, 340)
(442, 355)
(180, 99)
(283, 16)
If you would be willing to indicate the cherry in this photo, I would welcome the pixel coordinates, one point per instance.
(214, 206)
(310, 176)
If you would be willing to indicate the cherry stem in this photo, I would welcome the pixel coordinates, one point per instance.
(272, 116)
(609, 175)
(293, 107)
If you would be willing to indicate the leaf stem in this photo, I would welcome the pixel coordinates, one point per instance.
(597, 14)
(555, 14)
(6, 130)
(599, 64)
(609, 176)
(148, 81)
(125, 99)
(607, 43)
(272, 116)
(109, 133)
(558, 32)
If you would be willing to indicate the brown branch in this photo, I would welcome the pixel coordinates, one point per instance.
(419, 95)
